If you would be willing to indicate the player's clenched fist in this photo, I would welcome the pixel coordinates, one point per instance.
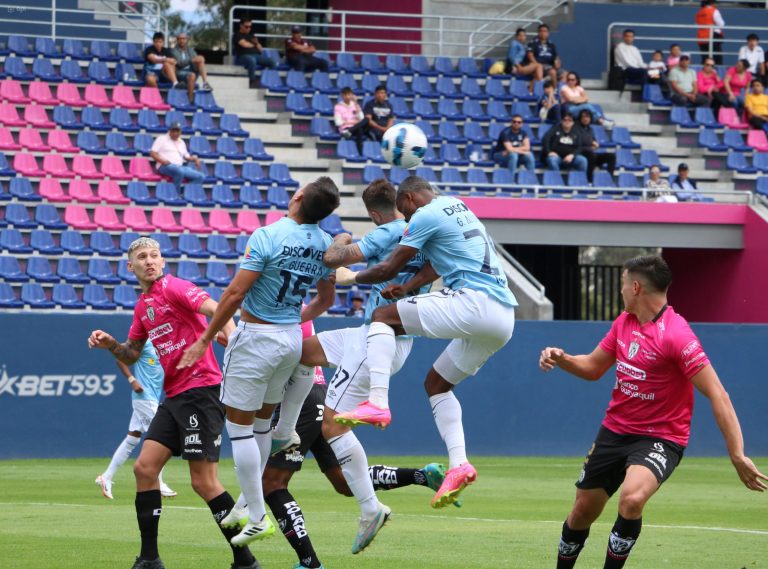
(550, 357)
(100, 339)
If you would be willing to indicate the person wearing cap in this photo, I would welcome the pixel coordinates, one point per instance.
(682, 181)
(170, 153)
(189, 65)
(357, 309)
(299, 53)
(249, 52)
(683, 85)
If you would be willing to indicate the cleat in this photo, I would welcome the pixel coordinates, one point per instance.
(365, 414)
(370, 527)
(253, 532)
(254, 565)
(166, 491)
(106, 486)
(434, 472)
(279, 445)
(147, 564)
(456, 479)
(237, 517)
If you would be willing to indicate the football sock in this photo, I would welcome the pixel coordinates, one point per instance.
(296, 391)
(290, 518)
(571, 543)
(381, 352)
(245, 451)
(391, 477)
(121, 455)
(220, 506)
(262, 432)
(149, 506)
(354, 465)
(621, 541)
(447, 412)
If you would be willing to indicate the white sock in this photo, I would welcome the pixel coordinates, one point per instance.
(241, 501)
(121, 455)
(295, 393)
(354, 465)
(245, 451)
(262, 432)
(381, 352)
(447, 412)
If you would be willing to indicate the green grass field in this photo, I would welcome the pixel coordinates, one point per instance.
(53, 516)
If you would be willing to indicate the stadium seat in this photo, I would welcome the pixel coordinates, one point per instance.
(74, 48)
(167, 193)
(94, 119)
(348, 80)
(627, 161)
(123, 97)
(9, 116)
(730, 118)
(347, 62)
(652, 94)
(230, 123)
(296, 103)
(42, 241)
(278, 196)
(82, 192)
(26, 164)
(738, 161)
(252, 196)
(192, 220)
(141, 169)
(166, 246)
(321, 128)
(151, 98)
(8, 297)
(400, 108)
(478, 177)
(99, 72)
(217, 273)
(427, 129)
(4, 196)
(470, 88)
(396, 64)
(228, 148)
(397, 175)
(503, 177)
(47, 216)
(56, 166)
(735, 141)
(474, 132)
(760, 161)
(321, 82)
(422, 86)
(46, 47)
(125, 296)
(706, 118)
(11, 271)
(321, 104)
(130, 52)
(34, 295)
(214, 292)
(444, 67)
(628, 180)
(650, 158)
(69, 269)
(102, 51)
(420, 65)
(12, 240)
(126, 238)
(253, 174)
(65, 296)
(200, 147)
(96, 297)
(5, 168)
(16, 68)
(190, 271)
(757, 140)
(10, 90)
(447, 88)
(449, 153)
(179, 100)
(64, 117)
(96, 95)
(100, 271)
(191, 246)
(205, 101)
(622, 137)
(41, 94)
(84, 166)
(270, 79)
(450, 133)
(72, 72)
(102, 243)
(494, 89)
(682, 118)
(396, 85)
(20, 46)
(21, 188)
(472, 109)
(426, 173)
(221, 221)
(203, 122)
(254, 148)
(248, 221)
(37, 116)
(332, 225)
(59, 140)
(430, 158)
(422, 107)
(372, 151)
(106, 218)
(43, 69)
(225, 172)
(708, 139)
(195, 194)
(117, 143)
(136, 219)
(603, 179)
(241, 242)
(296, 81)
(122, 120)
(371, 63)
(218, 245)
(448, 109)
(148, 120)
(142, 143)
(281, 175)
(126, 275)
(139, 194)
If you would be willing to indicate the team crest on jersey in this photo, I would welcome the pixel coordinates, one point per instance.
(633, 349)
(151, 313)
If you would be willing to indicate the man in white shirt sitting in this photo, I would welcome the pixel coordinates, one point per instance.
(171, 155)
(753, 53)
(629, 58)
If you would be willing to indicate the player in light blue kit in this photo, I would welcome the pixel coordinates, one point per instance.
(476, 310)
(147, 384)
(281, 263)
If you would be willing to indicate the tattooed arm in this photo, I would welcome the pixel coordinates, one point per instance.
(342, 252)
(128, 352)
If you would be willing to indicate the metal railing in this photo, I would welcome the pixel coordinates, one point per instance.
(533, 281)
(439, 35)
(756, 3)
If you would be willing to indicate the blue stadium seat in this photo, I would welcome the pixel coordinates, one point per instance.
(271, 80)
(296, 81)
(195, 194)
(230, 123)
(468, 67)
(420, 65)
(214, 292)
(15, 67)
(449, 153)
(761, 185)
(278, 197)
(190, 271)
(201, 147)
(5, 168)
(205, 101)
(431, 158)
(42, 241)
(254, 174)
(34, 295)
(472, 109)
(19, 45)
(179, 100)
(347, 62)
(652, 94)
(322, 104)
(17, 215)
(102, 51)
(321, 82)
(503, 177)
(735, 161)
(706, 118)
(369, 83)
(228, 148)
(167, 193)
(451, 175)
(223, 196)
(422, 86)
(42, 68)
(347, 80)
(423, 108)
(74, 49)
(622, 137)
(494, 88)
(474, 132)
(218, 273)
(46, 47)
(448, 109)
(426, 127)
(601, 136)
(4, 196)
(72, 72)
(372, 172)
(225, 172)
(94, 119)
(444, 66)
(166, 247)
(397, 175)
(122, 120)
(480, 179)
(735, 141)
(118, 144)
(371, 63)
(69, 269)
(553, 178)
(21, 188)
(650, 158)
(130, 52)
(628, 180)
(427, 173)
(179, 117)
(400, 109)
(450, 133)
(524, 110)
(281, 175)
(203, 122)
(190, 245)
(13, 241)
(218, 245)
(339, 307)
(682, 118)
(139, 194)
(321, 128)
(447, 88)
(72, 242)
(626, 160)
(372, 151)
(396, 85)
(89, 141)
(254, 148)
(102, 243)
(126, 238)
(760, 161)
(603, 179)
(125, 296)
(476, 155)
(8, 297)
(241, 242)
(396, 64)
(128, 276)
(577, 178)
(99, 72)
(347, 150)
(274, 55)
(127, 74)
(332, 225)
(101, 271)
(149, 121)
(519, 89)
(96, 297)
(64, 116)
(470, 88)
(11, 271)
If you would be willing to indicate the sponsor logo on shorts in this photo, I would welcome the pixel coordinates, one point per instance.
(630, 370)
(192, 439)
(161, 330)
(294, 456)
(193, 420)
(57, 385)
(217, 442)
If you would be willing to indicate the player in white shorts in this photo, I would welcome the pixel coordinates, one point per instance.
(147, 385)
(476, 311)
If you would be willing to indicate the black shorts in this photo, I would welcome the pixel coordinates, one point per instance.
(309, 428)
(190, 424)
(607, 461)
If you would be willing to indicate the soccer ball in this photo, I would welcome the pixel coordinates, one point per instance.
(404, 145)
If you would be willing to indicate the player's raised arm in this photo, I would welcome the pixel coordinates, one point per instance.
(326, 294)
(586, 366)
(342, 252)
(708, 383)
(389, 268)
(127, 352)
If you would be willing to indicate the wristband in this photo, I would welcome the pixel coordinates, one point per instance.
(131, 379)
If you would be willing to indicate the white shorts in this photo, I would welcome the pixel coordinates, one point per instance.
(258, 362)
(346, 350)
(143, 412)
(478, 325)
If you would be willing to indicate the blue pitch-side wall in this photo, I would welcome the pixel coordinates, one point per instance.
(510, 408)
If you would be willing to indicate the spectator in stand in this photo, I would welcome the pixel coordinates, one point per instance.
(756, 105)
(574, 99)
(349, 118)
(357, 309)
(378, 113)
(629, 58)
(707, 17)
(560, 147)
(659, 189)
(544, 52)
(159, 64)
(519, 64)
(735, 84)
(754, 54)
(657, 69)
(170, 153)
(513, 147)
(709, 84)
(299, 53)
(683, 86)
(249, 52)
(674, 56)
(589, 146)
(548, 107)
(189, 65)
(682, 181)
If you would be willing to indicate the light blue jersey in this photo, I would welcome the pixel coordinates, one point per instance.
(459, 248)
(149, 373)
(376, 247)
(289, 257)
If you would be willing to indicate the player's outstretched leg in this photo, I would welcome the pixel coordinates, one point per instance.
(122, 452)
(392, 477)
(284, 435)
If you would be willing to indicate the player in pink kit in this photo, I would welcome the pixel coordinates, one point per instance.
(171, 313)
(658, 361)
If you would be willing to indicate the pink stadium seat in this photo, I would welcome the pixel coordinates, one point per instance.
(6, 140)
(110, 192)
(10, 90)
(757, 140)
(36, 115)
(9, 116)
(151, 98)
(273, 216)
(192, 220)
(123, 97)
(112, 167)
(30, 139)
(83, 166)
(163, 219)
(77, 217)
(40, 92)
(59, 140)
(26, 164)
(142, 170)
(221, 222)
(96, 95)
(136, 219)
(730, 118)
(81, 191)
(56, 166)
(50, 189)
(69, 94)
(106, 218)
(248, 221)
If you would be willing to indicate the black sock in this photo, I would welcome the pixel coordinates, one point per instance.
(148, 508)
(391, 477)
(220, 506)
(571, 543)
(291, 521)
(623, 537)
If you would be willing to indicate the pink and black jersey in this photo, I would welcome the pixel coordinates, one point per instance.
(655, 362)
(168, 316)
(307, 331)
